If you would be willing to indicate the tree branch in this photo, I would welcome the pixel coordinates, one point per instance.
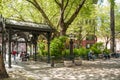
(69, 9)
(36, 4)
(66, 4)
(20, 15)
(30, 2)
(74, 15)
(32, 16)
(58, 3)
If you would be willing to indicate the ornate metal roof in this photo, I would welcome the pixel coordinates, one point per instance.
(27, 26)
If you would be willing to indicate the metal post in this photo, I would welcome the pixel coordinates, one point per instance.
(26, 47)
(48, 51)
(17, 49)
(35, 46)
(71, 50)
(30, 48)
(48, 42)
(9, 58)
(35, 50)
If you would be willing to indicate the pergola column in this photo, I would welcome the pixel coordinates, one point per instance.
(35, 50)
(48, 42)
(17, 48)
(31, 48)
(35, 46)
(9, 57)
(26, 46)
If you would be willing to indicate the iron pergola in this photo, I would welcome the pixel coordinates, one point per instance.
(11, 30)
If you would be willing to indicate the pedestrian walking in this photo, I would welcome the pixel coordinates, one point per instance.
(14, 55)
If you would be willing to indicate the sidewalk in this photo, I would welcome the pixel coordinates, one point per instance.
(90, 70)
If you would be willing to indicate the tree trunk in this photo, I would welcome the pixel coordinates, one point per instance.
(62, 20)
(3, 73)
(112, 26)
(63, 31)
(106, 44)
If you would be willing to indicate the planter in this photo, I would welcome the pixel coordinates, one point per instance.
(78, 62)
(68, 63)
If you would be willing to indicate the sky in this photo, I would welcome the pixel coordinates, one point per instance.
(117, 1)
(106, 3)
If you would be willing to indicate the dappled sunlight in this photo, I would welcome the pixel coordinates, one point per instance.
(33, 67)
(89, 70)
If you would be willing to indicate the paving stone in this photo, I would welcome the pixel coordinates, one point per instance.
(89, 70)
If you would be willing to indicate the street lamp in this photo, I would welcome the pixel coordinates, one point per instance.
(71, 36)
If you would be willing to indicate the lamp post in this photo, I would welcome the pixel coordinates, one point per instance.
(71, 47)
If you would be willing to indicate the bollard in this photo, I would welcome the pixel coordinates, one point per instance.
(52, 61)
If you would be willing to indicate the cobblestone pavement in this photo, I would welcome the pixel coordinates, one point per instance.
(89, 70)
